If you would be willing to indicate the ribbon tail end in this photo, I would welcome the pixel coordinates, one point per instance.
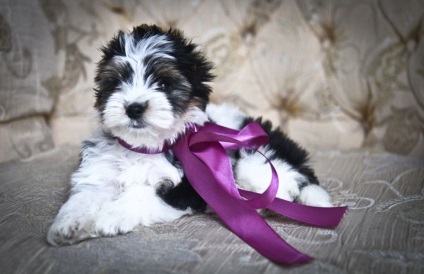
(302, 259)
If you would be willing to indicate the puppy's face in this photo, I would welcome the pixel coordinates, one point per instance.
(150, 85)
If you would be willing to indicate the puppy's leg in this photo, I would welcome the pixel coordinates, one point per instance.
(254, 174)
(314, 195)
(297, 180)
(76, 219)
(100, 206)
(97, 212)
(138, 204)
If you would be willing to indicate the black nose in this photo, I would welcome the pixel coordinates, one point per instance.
(136, 110)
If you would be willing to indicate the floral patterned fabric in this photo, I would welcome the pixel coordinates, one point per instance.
(334, 74)
(344, 78)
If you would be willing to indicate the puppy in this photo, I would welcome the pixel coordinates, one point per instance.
(151, 85)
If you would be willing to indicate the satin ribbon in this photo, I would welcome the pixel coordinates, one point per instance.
(202, 153)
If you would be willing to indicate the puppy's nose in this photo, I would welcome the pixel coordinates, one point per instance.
(136, 110)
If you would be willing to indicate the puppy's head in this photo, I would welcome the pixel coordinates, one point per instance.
(150, 85)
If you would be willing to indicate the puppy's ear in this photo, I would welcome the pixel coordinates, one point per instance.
(103, 80)
(193, 65)
(200, 76)
(115, 47)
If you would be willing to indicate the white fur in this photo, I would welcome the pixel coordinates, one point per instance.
(254, 174)
(314, 195)
(161, 121)
(225, 115)
(162, 124)
(112, 192)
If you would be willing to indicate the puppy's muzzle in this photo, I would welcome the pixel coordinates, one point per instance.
(135, 110)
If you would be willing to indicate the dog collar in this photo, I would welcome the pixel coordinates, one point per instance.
(144, 150)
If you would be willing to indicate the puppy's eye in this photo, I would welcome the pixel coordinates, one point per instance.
(164, 87)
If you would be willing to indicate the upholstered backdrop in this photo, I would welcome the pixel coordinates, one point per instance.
(343, 78)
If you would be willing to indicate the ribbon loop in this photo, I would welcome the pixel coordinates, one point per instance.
(202, 153)
(208, 169)
(251, 137)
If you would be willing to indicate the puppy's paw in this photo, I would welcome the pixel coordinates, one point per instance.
(164, 187)
(68, 231)
(314, 195)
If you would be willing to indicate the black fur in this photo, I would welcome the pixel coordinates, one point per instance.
(182, 196)
(189, 64)
(286, 149)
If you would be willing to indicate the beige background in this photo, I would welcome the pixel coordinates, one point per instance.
(336, 75)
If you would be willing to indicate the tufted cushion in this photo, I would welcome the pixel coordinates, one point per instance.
(334, 75)
(26, 48)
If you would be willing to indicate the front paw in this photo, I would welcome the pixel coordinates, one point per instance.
(164, 187)
(68, 231)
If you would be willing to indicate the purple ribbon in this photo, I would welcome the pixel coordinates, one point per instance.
(202, 153)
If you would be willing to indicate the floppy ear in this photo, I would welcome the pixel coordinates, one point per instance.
(115, 47)
(200, 75)
(104, 79)
(193, 65)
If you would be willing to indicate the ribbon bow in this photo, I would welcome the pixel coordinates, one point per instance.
(202, 153)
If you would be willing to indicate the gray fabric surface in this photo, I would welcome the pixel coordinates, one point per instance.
(381, 233)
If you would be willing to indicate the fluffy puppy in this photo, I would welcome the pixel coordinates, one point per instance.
(151, 85)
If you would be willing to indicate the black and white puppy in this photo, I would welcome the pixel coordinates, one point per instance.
(151, 85)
